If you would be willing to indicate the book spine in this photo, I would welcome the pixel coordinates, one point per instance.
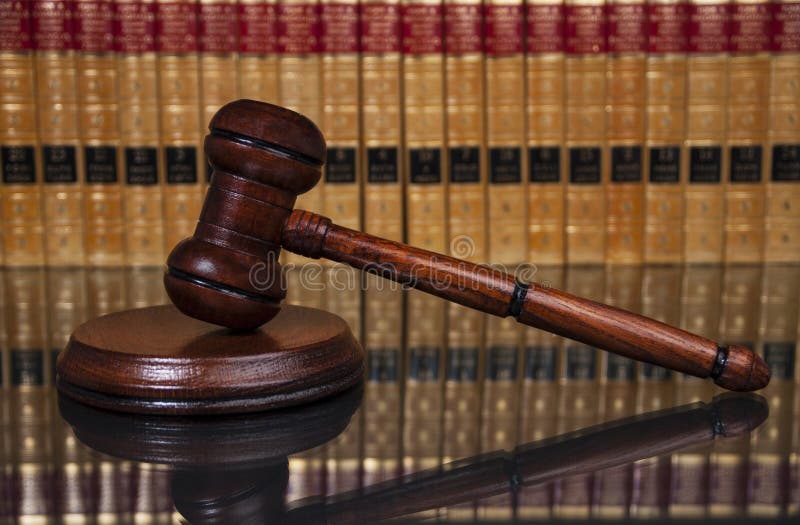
(707, 98)
(74, 472)
(423, 96)
(26, 327)
(62, 156)
(341, 112)
(748, 88)
(138, 109)
(544, 106)
(20, 155)
(505, 131)
(783, 188)
(466, 151)
(381, 118)
(779, 308)
(31, 442)
(625, 129)
(258, 50)
(99, 131)
(179, 108)
(667, 45)
(585, 29)
(144, 286)
(105, 291)
(793, 505)
(65, 289)
(218, 45)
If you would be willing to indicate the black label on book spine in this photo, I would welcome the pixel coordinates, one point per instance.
(655, 372)
(780, 358)
(101, 164)
(141, 166)
(626, 164)
(181, 164)
(584, 165)
(665, 165)
(786, 163)
(426, 165)
(382, 165)
(382, 365)
(502, 363)
(581, 362)
(705, 164)
(540, 363)
(505, 165)
(423, 363)
(544, 164)
(465, 165)
(59, 165)
(619, 368)
(19, 164)
(462, 364)
(745, 164)
(340, 166)
(27, 367)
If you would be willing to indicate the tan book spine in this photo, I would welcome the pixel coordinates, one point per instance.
(179, 108)
(586, 46)
(142, 177)
(505, 132)
(382, 114)
(218, 45)
(780, 309)
(258, 50)
(145, 287)
(31, 443)
(75, 472)
(65, 309)
(20, 161)
(99, 131)
(62, 156)
(783, 186)
(105, 291)
(424, 113)
(706, 123)
(546, 127)
(625, 129)
(748, 88)
(26, 327)
(667, 45)
(341, 112)
(466, 151)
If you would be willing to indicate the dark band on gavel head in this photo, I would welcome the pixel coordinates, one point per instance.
(262, 157)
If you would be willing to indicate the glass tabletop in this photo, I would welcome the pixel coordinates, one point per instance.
(461, 416)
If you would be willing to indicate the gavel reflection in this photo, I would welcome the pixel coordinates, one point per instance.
(234, 470)
(263, 156)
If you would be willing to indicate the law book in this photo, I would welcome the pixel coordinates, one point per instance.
(383, 346)
(32, 454)
(258, 50)
(500, 404)
(26, 326)
(466, 151)
(780, 308)
(144, 286)
(626, 68)
(505, 131)
(341, 112)
(106, 291)
(98, 106)
(539, 400)
(65, 309)
(748, 88)
(424, 124)
(783, 136)
(74, 497)
(707, 99)
(58, 127)
(20, 154)
(381, 118)
(665, 153)
(179, 109)
(545, 128)
(585, 30)
(138, 116)
(793, 505)
(462, 393)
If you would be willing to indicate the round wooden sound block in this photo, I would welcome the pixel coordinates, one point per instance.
(158, 361)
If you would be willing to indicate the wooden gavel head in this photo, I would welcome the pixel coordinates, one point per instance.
(262, 157)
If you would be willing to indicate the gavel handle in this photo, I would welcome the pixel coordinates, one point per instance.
(492, 291)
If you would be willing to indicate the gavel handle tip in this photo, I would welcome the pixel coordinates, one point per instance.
(743, 371)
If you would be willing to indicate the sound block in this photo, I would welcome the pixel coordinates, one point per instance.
(158, 361)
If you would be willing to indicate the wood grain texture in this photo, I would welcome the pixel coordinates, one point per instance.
(157, 360)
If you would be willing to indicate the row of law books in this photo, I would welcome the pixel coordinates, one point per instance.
(582, 131)
(444, 383)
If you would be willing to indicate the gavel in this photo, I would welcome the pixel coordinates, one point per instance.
(263, 156)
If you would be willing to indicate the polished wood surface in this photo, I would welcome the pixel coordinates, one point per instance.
(157, 360)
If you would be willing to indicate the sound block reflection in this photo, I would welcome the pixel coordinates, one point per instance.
(158, 361)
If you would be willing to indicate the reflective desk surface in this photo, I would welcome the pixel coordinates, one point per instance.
(461, 417)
